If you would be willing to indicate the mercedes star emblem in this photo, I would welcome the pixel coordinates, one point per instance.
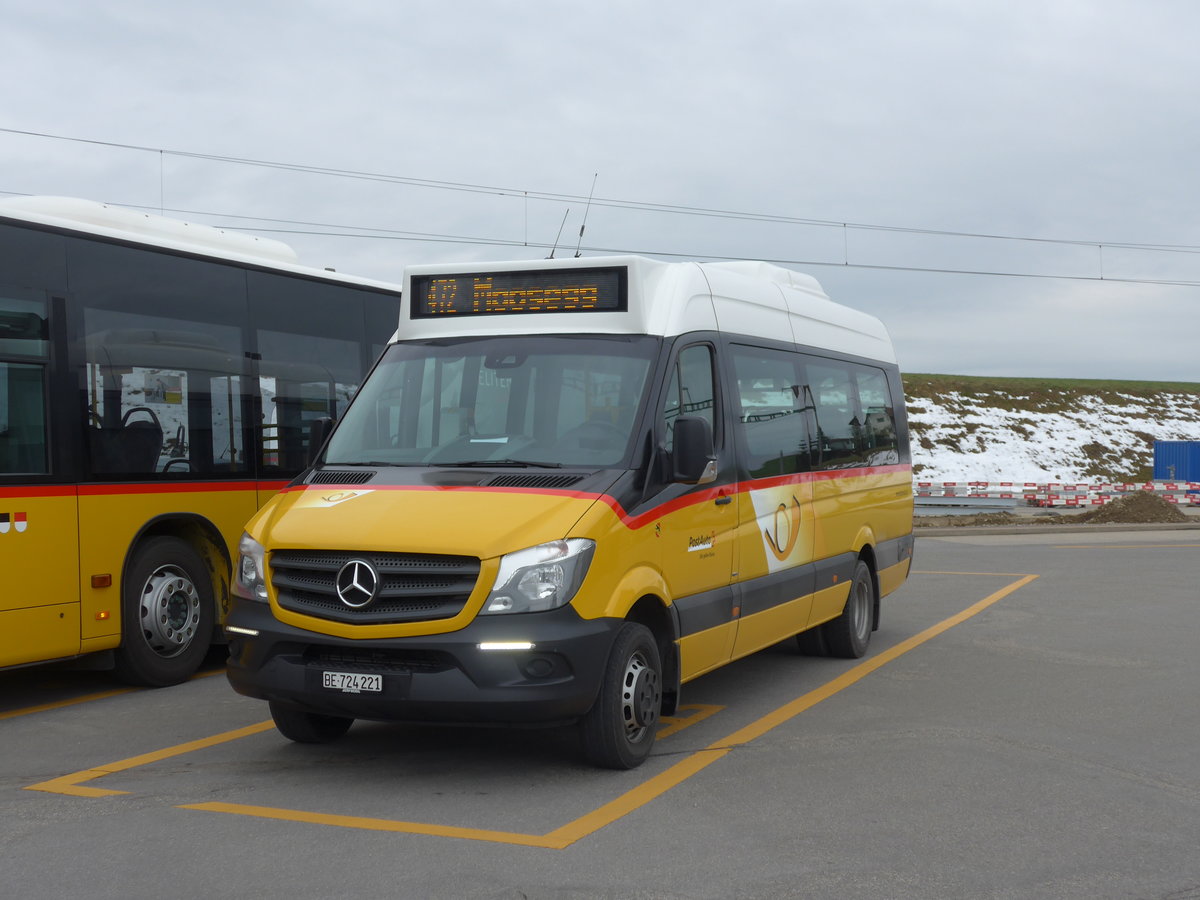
(357, 583)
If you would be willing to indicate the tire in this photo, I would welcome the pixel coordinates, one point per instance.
(306, 727)
(618, 731)
(167, 613)
(848, 635)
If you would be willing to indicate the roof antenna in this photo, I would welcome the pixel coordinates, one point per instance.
(583, 225)
(557, 236)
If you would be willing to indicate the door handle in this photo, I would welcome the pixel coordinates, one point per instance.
(723, 499)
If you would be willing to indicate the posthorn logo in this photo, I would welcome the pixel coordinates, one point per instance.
(357, 583)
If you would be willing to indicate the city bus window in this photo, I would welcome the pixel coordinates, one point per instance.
(163, 396)
(24, 333)
(22, 419)
(24, 329)
(302, 377)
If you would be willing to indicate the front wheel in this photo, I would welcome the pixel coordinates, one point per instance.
(848, 635)
(167, 611)
(618, 731)
(306, 727)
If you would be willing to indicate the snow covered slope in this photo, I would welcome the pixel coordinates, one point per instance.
(1023, 429)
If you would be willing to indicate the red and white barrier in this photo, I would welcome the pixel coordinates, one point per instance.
(1059, 494)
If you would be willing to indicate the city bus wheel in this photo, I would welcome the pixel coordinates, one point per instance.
(848, 635)
(618, 731)
(306, 727)
(167, 613)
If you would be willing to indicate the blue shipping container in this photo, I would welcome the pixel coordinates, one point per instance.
(1177, 460)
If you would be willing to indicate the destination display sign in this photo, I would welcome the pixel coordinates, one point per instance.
(543, 291)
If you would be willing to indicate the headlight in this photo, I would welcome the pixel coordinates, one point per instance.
(540, 578)
(250, 579)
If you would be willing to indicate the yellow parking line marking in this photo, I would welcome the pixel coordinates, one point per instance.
(675, 724)
(88, 698)
(292, 815)
(70, 784)
(658, 785)
(59, 704)
(1126, 546)
(573, 831)
(862, 670)
(995, 574)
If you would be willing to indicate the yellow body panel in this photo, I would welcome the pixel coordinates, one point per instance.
(698, 543)
(893, 576)
(38, 633)
(772, 625)
(109, 523)
(39, 541)
(706, 650)
(55, 539)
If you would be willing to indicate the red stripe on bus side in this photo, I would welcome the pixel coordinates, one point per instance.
(642, 519)
(102, 490)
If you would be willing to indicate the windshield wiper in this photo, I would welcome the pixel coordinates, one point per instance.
(372, 463)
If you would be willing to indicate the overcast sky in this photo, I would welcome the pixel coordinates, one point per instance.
(893, 150)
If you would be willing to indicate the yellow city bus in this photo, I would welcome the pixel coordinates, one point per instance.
(572, 486)
(157, 381)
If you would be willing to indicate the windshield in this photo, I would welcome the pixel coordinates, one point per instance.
(541, 400)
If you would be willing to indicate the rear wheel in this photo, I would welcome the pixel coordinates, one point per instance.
(306, 727)
(849, 634)
(618, 731)
(167, 611)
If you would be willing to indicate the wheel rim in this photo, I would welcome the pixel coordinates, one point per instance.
(640, 698)
(169, 611)
(860, 609)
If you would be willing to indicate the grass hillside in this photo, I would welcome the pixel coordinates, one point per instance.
(1030, 429)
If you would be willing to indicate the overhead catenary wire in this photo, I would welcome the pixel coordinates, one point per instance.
(279, 225)
(649, 206)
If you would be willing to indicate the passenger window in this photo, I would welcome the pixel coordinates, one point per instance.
(879, 424)
(839, 425)
(163, 395)
(302, 377)
(24, 330)
(22, 419)
(771, 417)
(690, 392)
(24, 333)
(855, 420)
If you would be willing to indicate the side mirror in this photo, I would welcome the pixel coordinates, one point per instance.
(694, 458)
(318, 433)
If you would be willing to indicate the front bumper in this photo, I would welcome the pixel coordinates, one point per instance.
(434, 678)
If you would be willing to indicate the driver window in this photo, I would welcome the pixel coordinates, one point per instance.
(690, 392)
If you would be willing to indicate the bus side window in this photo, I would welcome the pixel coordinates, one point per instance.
(690, 392)
(22, 419)
(771, 417)
(24, 333)
(839, 420)
(879, 422)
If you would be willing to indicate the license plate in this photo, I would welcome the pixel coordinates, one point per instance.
(351, 682)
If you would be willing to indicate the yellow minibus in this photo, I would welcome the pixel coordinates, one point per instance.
(567, 488)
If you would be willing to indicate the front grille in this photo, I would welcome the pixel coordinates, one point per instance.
(414, 587)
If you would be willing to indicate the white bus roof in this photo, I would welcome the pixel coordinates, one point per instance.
(751, 298)
(132, 226)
